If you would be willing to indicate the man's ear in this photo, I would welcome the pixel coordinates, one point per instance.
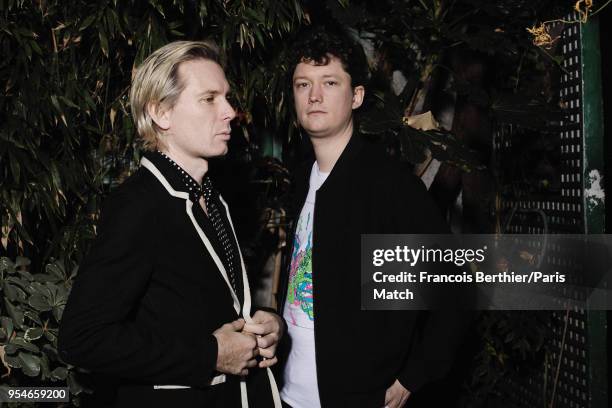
(358, 94)
(160, 115)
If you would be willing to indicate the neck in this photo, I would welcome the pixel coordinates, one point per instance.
(328, 149)
(195, 167)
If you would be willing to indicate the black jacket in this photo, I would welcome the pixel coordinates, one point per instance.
(146, 302)
(359, 354)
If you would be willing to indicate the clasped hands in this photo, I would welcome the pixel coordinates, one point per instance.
(239, 343)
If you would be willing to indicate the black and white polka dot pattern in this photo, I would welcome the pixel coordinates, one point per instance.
(193, 187)
(224, 238)
(213, 209)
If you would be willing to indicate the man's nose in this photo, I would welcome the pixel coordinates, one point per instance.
(315, 95)
(229, 112)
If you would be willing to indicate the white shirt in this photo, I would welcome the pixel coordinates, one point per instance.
(300, 389)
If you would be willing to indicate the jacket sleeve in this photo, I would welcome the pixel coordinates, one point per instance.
(434, 349)
(96, 330)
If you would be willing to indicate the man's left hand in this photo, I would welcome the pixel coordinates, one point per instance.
(396, 395)
(269, 329)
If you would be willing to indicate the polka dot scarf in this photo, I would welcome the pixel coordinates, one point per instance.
(213, 208)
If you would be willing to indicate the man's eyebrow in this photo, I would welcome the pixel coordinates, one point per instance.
(323, 76)
(209, 92)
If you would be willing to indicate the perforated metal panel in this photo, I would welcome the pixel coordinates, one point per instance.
(575, 369)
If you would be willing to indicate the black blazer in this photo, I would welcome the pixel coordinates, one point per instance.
(146, 301)
(359, 354)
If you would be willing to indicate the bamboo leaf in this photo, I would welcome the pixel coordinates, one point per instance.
(87, 22)
(103, 42)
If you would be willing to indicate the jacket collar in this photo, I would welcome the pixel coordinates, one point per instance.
(178, 178)
(346, 160)
(343, 166)
(246, 306)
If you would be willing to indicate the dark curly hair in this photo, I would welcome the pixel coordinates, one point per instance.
(316, 44)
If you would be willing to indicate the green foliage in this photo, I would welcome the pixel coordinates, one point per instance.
(421, 37)
(515, 344)
(29, 321)
(386, 118)
(67, 136)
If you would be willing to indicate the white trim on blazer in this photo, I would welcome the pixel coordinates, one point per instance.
(246, 307)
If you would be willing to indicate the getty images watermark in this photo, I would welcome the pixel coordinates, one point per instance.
(485, 272)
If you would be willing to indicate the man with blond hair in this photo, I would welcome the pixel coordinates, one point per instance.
(160, 309)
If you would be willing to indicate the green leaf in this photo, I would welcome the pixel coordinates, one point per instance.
(35, 47)
(56, 104)
(7, 325)
(87, 22)
(22, 344)
(69, 102)
(110, 22)
(13, 293)
(22, 261)
(33, 333)
(10, 348)
(13, 361)
(49, 350)
(45, 278)
(39, 302)
(34, 317)
(15, 168)
(14, 312)
(55, 270)
(16, 281)
(50, 336)
(26, 274)
(73, 384)
(55, 174)
(60, 373)
(44, 367)
(61, 296)
(58, 311)
(25, 32)
(30, 364)
(103, 42)
(7, 265)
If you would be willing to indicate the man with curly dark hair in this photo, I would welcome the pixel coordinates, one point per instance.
(338, 355)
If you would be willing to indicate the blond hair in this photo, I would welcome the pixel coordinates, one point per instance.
(158, 84)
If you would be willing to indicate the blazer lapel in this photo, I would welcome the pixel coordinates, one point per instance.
(188, 209)
(246, 307)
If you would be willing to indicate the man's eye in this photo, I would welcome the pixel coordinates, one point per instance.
(208, 99)
(331, 83)
(301, 85)
(232, 99)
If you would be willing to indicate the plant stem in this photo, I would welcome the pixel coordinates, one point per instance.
(558, 370)
(555, 61)
(601, 8)
(518, 71)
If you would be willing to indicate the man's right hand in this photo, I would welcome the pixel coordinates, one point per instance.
(236, 350)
